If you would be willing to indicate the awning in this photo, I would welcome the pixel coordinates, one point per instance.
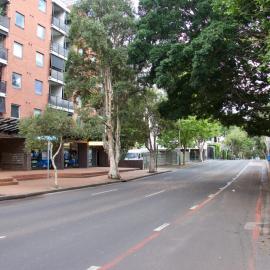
(9, 125)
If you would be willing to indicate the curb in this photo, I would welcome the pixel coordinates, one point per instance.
(35, 194)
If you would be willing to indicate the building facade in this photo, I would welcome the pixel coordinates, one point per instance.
(33, 51)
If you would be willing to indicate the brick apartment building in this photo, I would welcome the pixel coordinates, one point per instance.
(33, 51)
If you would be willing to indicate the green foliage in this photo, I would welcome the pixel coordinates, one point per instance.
(140, 110)
(100, 33)
(52, 123)
(241, 145)
(185, 132)
(210, 61)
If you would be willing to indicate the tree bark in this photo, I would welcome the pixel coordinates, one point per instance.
(53, 161)
(184, 155)
(112, 128)
(152, 161)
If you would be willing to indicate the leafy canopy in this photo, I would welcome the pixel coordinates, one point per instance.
(210, 61)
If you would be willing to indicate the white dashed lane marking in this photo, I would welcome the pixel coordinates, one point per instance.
(160, 228)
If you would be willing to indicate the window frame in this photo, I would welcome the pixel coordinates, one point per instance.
(41, 83)
(37, 110)
(14, 86)
(18, 13)
(15, 105)
(45, 5)
(17, 43)
(39, 26)
(43, 59)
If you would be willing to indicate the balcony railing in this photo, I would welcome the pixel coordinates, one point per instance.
(60, 24)
(2, 105)
(4, 21)
(57, 48)
(61, 103)
(3, 87)
(3, 53)
(57, 75)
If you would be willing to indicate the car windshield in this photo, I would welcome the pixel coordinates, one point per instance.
(131, 155)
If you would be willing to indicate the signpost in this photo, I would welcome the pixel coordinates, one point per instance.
(49, 140)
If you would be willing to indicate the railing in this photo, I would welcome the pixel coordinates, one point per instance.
(57, 48)
(57, 75)
(3, 87)
(2, 105)
(61, 103)
(4, 21)
(3, 53)
(60, 24)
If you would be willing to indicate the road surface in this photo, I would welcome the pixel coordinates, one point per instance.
(201, 217)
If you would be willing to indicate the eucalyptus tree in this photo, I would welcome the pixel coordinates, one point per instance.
(97, 69)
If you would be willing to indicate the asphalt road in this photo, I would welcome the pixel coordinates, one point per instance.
(196, 218)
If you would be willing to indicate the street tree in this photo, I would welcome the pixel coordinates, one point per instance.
(210, 62)
(144, 121)
(97, 70)
(53, 127)
(180, 133)
(240, 145)
(204, 129)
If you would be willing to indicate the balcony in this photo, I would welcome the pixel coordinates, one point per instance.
(60, 25)
(2, 105)
(3, 55)
(3, 88)
(61, 104)
(4, 23)
(56, 76)
(59, 50)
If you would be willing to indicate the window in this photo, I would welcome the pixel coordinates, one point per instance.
(41, 31)
(16, 80)
(15, 111)
(37, 112)
(17, 49)
(39, 59)
(42, 5)
(19, 20)
(38, 87)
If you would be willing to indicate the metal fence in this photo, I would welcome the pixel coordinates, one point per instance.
(3, 53)
(60, 24)
(4, 21)
(61, 103)
(57, 48)
(57, 75)
(3, 87)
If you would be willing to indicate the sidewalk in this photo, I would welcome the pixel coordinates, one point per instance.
(31, 183)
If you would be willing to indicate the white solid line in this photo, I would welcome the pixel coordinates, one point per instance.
(211, 196)
(103, 192)
(193, 207)
(93, 268)
(2, 237)
(156, 193)
(160, 228)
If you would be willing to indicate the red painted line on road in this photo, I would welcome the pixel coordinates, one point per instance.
(130, 251)
(256, 231)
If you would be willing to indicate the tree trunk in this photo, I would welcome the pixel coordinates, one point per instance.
(152, 161)
(112, 129)
(53, 161)
(184, 155)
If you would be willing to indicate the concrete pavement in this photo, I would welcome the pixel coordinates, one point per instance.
(204, 217)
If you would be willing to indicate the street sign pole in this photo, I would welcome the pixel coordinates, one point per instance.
(48, 160)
